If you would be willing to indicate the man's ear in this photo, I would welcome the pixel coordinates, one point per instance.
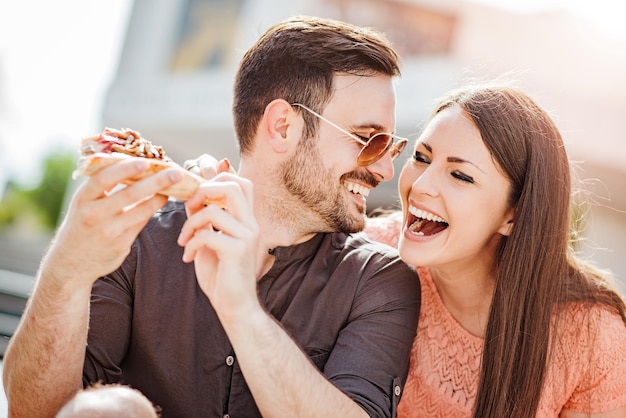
(277, 120)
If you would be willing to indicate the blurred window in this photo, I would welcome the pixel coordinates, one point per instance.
(206, 38)
(414, 29)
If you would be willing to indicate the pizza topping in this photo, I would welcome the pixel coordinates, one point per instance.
(112, 146)
(125, 141)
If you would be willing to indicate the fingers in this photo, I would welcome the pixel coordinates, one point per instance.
(103, 183)
(107, 178)
(224, 166)
(226, 190)
(96, 205)
(207, 167)
(199, 235)
(236, 221)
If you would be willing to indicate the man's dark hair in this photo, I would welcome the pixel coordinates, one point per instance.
(296, 60)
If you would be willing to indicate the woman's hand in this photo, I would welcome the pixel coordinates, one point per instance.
(207, 167)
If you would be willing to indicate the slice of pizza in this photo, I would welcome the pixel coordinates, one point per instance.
(112, 146)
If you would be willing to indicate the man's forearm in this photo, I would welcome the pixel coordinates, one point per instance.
(44, 360)
(282, 379)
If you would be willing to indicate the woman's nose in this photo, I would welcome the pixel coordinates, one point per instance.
(426, 183)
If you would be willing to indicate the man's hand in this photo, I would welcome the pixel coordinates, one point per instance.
(104, 219)
(222, 243)
(102, 222)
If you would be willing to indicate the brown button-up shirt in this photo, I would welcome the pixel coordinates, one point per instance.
(352, 305)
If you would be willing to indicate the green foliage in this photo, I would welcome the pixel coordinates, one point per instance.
(40, 206)
(13, 203)
(50, 193)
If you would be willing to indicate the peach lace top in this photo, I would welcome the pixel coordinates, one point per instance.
(587, 373)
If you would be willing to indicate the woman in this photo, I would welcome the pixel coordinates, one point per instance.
(511, 324)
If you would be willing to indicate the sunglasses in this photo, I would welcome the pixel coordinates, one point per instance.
(374, 147)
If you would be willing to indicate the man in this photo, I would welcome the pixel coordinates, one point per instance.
(283, 312)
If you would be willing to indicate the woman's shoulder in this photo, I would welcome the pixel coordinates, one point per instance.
(591, 326)
(593, 319)
(589, 358)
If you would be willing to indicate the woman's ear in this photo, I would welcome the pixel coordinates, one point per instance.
(507, 226)
(276, 121)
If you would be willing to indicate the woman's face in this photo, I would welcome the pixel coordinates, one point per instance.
(454, 197)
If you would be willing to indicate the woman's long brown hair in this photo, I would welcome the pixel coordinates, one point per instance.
(537, 271)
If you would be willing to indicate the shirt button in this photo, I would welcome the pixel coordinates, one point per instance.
(229, 361)
(226, 416)
(397, 390)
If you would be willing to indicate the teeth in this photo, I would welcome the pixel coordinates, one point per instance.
(358, 188)
(425, 215)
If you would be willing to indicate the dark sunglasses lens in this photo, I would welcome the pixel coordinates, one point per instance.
(397, 148)
(375, 148)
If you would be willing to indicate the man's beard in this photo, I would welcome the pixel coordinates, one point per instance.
(319, 192)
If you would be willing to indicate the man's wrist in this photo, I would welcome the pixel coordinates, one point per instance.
(252, 318)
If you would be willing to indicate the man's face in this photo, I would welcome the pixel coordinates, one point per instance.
(324, 174)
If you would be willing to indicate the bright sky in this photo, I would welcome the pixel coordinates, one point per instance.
(57, 59)
(607, 16)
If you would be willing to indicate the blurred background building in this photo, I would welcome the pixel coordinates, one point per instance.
(174, 74)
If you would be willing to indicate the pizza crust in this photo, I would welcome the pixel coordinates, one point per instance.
(183, 190)
(113, 145)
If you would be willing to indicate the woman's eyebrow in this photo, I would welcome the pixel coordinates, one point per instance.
(451, 159)
(461, 160)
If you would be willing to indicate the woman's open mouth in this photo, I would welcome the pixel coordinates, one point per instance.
(424, 223)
